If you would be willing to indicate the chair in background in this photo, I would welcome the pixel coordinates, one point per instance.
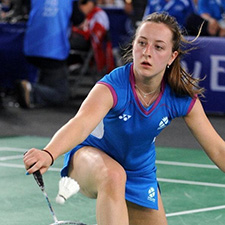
(97, 61)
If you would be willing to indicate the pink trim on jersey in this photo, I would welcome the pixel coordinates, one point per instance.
(142, 108)
(112, 91)
(192, 104)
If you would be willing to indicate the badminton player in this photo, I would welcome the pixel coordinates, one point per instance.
(110, 143)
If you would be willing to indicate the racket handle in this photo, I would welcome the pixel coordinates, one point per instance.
(39, 179)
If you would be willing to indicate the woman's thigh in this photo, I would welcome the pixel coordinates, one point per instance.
(92, 168)
(145, 216)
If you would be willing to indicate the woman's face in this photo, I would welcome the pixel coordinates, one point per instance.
(86, 8)
(152, 50)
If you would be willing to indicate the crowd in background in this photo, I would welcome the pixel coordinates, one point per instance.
(212, 12)
(14, 10)
(190, 14)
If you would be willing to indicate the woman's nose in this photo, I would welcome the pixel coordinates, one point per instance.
(147, 51)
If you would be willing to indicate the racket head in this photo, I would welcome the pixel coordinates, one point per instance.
(67, 222)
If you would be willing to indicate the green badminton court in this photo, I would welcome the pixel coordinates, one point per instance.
(193, 189)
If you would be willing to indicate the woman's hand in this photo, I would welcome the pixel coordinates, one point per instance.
(36, 159)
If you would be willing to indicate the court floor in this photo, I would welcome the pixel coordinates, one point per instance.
(193, 189)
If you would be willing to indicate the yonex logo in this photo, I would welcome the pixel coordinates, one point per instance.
(124, 117)
(151, 194)
(163, 123)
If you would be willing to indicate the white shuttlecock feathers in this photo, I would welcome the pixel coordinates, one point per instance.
(67, 188)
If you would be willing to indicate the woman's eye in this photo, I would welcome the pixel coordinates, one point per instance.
(158, 47)
(142, 43)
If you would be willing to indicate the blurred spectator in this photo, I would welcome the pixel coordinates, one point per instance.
(111, 3)
(210, 14)
(105, 2)
(180, 9)
(213, 11)
(135, 9)
(19, 10)
(46, 45)
(5, 6)
(92, 33)
(195, 3)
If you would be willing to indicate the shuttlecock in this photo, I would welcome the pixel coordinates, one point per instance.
(67, 188)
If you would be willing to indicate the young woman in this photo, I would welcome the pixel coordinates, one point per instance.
(115, 128)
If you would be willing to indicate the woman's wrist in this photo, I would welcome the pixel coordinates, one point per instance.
(44, 150)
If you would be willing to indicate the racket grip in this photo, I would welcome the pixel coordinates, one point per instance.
(39, 179)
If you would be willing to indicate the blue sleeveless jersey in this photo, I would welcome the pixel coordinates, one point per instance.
(128, 131)
(48, 29)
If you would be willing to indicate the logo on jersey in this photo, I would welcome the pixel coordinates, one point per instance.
(151, 194)
(124, 117)
(163, 123)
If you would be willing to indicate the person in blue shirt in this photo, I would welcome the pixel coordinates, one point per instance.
(210, 16)
(180, 9)
(213, 11)
(46, 46)
(135, 10)
(110, 142)
(214, 8)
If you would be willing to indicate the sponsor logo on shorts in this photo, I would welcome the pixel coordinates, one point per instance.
(151, 194)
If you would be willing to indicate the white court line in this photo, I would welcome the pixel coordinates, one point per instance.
(190, 182)
(196, 211)
(10, 149)
(12, 165)
(171, 163)
(196, 165)
(5, 158)
(13, 149)
(160, 179)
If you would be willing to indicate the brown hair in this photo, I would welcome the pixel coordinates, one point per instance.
(181, 82)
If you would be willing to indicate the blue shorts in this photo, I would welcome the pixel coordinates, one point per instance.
(141, 188)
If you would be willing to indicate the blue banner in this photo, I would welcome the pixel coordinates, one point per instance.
(208, 62)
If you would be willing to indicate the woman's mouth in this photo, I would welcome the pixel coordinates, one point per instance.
(146, 64)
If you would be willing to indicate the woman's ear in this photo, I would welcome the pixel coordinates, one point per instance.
(173, 57)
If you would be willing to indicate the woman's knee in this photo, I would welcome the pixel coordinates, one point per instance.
(112, 178)
(96, 171)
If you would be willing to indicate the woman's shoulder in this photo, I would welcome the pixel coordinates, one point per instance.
(122, 69)
(178, 105)
(119, 75)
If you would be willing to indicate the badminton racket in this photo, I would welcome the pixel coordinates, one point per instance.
(39, 179)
